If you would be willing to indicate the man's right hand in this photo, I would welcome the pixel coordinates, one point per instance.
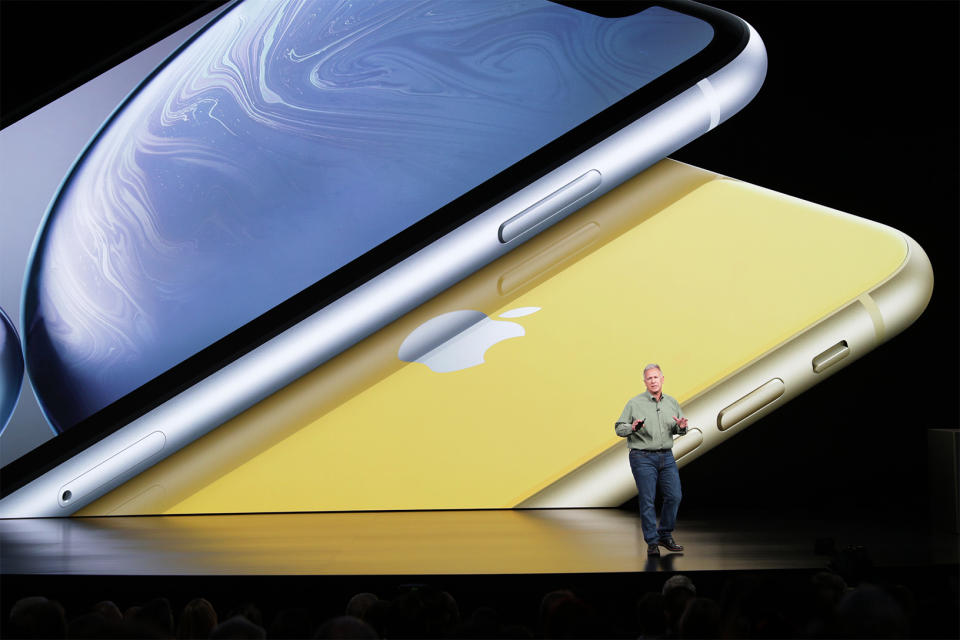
(638, 424)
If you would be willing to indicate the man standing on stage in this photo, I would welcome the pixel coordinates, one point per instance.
(648, 422)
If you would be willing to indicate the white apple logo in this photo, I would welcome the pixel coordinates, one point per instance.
(457, 340)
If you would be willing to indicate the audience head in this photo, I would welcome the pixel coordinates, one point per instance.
(358, 604)
(566, 615)
(854, 563)
(291, 623)
(197, 620)
(37, 617)
(95, 626)
(109, 610)
(155, 616)
(651, 618)
(677, 592)
(347, 627)
(828, 587)
(248, 610)
(238, 628)
(870, 612)
(484, 622)
(547, 603)
(422, 611)
(376, 616)
(678, 581)
(701, 619)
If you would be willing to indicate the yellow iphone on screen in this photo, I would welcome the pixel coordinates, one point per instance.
(502, 392)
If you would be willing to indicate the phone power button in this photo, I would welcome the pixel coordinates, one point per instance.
(560, 200)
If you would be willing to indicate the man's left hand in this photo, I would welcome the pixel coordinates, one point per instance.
(681, 422)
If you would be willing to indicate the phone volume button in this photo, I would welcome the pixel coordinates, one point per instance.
(550, 206)
(750, 403)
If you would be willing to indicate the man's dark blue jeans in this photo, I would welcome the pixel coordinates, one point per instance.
(654, 470)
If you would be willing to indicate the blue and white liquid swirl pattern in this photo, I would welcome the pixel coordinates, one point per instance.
(284, 142)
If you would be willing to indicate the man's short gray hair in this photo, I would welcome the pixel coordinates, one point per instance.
(651, 366)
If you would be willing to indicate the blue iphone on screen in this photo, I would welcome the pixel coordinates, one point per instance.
(285, 143)
(297, 175)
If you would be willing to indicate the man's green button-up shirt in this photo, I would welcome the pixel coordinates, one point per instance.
(658, 427)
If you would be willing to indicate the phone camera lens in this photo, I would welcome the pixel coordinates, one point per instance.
(67, 495)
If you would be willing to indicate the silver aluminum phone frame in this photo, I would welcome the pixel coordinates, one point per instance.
(259, 373)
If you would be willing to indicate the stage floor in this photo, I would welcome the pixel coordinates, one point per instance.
(554, 541)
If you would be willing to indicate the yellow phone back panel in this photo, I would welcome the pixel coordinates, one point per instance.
(703, 287)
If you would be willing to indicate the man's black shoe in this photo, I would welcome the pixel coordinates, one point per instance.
(653, 550)
(668, 543)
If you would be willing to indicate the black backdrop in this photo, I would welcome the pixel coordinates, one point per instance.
(859, 112)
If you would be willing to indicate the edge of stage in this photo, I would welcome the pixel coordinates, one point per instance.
(498, 542)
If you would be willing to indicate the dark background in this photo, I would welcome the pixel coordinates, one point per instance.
(859, 112)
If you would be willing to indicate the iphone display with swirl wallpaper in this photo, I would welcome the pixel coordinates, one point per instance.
(297, 175)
